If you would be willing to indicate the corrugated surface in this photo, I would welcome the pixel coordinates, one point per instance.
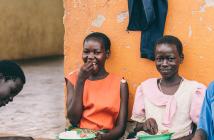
(31, 28)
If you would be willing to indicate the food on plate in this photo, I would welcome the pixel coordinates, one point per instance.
(83, 135)
(164, 132)
(159, 133)
(72, 135)
(76, 135)
(68, 134)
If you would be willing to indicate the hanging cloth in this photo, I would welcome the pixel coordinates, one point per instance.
(147, 16)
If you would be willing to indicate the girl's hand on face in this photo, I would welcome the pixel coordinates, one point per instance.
(86, 70)
(150, 126)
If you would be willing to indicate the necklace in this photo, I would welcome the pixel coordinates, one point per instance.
(159, 85)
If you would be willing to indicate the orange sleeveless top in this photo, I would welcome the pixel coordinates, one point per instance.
(101, 102)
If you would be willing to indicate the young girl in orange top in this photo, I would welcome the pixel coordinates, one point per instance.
(97, 100)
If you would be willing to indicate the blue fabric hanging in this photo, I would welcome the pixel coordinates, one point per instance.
(148, 16)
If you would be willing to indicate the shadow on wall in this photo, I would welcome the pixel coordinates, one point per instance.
(31, 28)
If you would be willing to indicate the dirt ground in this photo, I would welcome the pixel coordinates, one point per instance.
(38, 111)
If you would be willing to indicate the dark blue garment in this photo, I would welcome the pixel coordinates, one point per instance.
(206, 120)
(148, 16)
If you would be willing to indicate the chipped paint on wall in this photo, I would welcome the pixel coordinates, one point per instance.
(122, 16)
(76, 3)
(202, 9)
(201, 57)
(209, 3)
(210, 28)
(98, 22)
(190, 31)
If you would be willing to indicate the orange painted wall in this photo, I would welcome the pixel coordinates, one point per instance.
(190, 20)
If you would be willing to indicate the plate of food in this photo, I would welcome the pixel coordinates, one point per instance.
(74, 135)
(163, 135)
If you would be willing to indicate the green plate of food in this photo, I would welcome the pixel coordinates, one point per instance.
(159, 136)
(74, 135)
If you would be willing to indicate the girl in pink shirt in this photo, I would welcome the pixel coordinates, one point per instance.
(171, 102)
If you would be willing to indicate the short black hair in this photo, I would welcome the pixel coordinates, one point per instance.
(169, 39)
(11, 70)
(101, 37)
